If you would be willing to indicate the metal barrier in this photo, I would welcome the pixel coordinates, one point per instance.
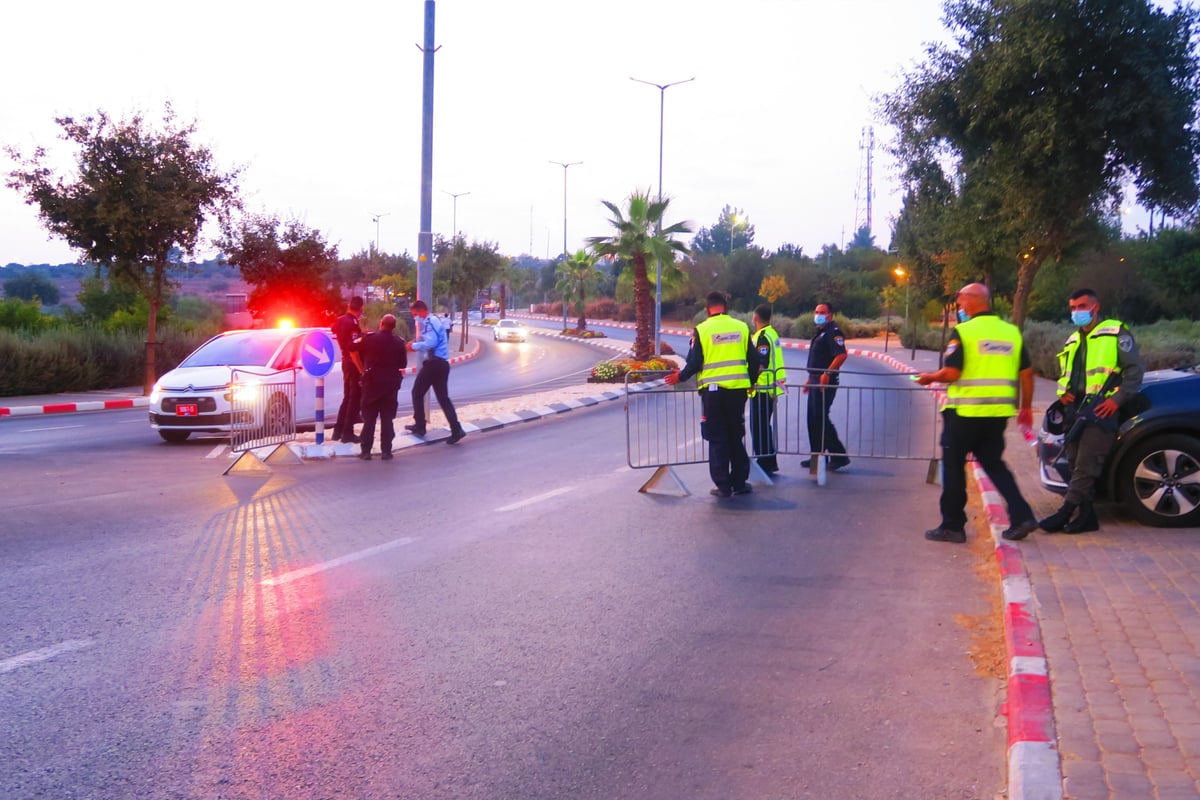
(900, 422)
(889, 422)
(261, 409)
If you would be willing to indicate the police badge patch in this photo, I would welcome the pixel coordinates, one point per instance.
(839, 341)
(1125, 342)
(952, 347)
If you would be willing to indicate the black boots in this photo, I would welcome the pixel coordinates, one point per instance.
(1085, 521)
(1059, 519)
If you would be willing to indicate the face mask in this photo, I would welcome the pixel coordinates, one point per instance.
(821, 319)
(963, 316)
(1081, 317)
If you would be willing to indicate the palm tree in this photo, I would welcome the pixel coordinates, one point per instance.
(638, 239)
(577, 277)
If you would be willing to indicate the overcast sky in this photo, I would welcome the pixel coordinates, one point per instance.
(321, 105)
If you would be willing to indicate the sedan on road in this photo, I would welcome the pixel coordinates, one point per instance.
(198, 396)
(1154, 467)
(509, 330)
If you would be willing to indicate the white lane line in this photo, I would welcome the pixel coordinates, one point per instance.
(539, 498)
(45, 654)
(50, 428)
(216, 451)
(297, 574)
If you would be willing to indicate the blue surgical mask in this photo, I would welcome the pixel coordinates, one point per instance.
(1081, 317)
(821, 319)
(963, 316)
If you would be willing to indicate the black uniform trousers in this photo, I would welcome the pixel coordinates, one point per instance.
(435, 373)
(822, 436)
(983, 436)
(762, 432)
(351, 408)
(724, 429)
(382, 405)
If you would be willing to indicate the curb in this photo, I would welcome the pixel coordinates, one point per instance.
(144, 402)
(1034, 766)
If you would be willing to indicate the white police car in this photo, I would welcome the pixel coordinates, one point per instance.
(196, 396)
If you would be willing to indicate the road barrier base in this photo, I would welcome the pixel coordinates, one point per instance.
(660, 477)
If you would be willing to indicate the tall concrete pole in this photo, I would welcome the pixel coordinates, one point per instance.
(425, 235)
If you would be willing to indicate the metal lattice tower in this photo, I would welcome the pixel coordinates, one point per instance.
(864, 190)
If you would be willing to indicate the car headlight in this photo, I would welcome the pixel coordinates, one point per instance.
(243, 393)
(156, 394)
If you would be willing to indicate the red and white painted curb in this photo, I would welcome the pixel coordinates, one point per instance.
(69, 408)
(143, 402)
(1034, 767)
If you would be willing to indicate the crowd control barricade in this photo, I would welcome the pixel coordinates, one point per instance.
(874, 415)
(662, 426)
(261, 414)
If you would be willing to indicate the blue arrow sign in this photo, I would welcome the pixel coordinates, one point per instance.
(316, 353)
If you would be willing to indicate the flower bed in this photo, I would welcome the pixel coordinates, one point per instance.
(616, 370)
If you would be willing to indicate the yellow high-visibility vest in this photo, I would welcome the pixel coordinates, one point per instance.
(991, 367)
(770, 377)
(724, 341)
(1100, 360)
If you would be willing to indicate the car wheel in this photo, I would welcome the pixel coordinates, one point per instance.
(278, 419)
(174, 437)
(1159, 481)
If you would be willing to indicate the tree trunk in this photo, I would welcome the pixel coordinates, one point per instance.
(154, 301)
(643, 341)
(1025, 275)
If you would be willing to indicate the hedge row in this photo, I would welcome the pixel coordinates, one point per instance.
(82, 359)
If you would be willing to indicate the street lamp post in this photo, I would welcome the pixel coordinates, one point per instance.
(901, 274)
(454, 217)
(662, 101)
(378, 217)
(564, 165)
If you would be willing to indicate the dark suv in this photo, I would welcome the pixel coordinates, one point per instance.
(1154, 468)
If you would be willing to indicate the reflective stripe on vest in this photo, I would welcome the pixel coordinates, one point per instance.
(991, 365)
(770, 377)
(1100, 360)
(724, 341)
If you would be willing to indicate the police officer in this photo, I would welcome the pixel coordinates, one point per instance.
(766, 390)
(348, 334)
(723, 358)
(384, 359)
(1092, 353)
(988, 371)
(434, 373)
(826, 354)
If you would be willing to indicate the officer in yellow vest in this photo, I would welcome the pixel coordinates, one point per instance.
(1098, 349)
(989, 375)
(723, 358)
(766, 390)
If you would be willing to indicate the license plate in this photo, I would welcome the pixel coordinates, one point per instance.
(187, 410)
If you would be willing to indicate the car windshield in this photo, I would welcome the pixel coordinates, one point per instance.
(246, 349)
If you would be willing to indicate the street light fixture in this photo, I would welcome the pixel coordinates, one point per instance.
(454, 218)
(564, 165)
(662, 100)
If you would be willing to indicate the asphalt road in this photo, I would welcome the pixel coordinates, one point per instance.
(508, 618)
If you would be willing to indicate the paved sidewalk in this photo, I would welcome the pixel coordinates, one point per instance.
(1113, 618)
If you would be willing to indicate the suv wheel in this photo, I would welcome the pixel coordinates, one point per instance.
(1159, 481)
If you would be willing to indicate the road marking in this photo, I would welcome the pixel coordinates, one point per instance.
(539, 498)
(216, 451)
(45, 654)
(51, 428)
(297, 574)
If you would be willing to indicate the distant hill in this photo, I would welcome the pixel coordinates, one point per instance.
(206, 279)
